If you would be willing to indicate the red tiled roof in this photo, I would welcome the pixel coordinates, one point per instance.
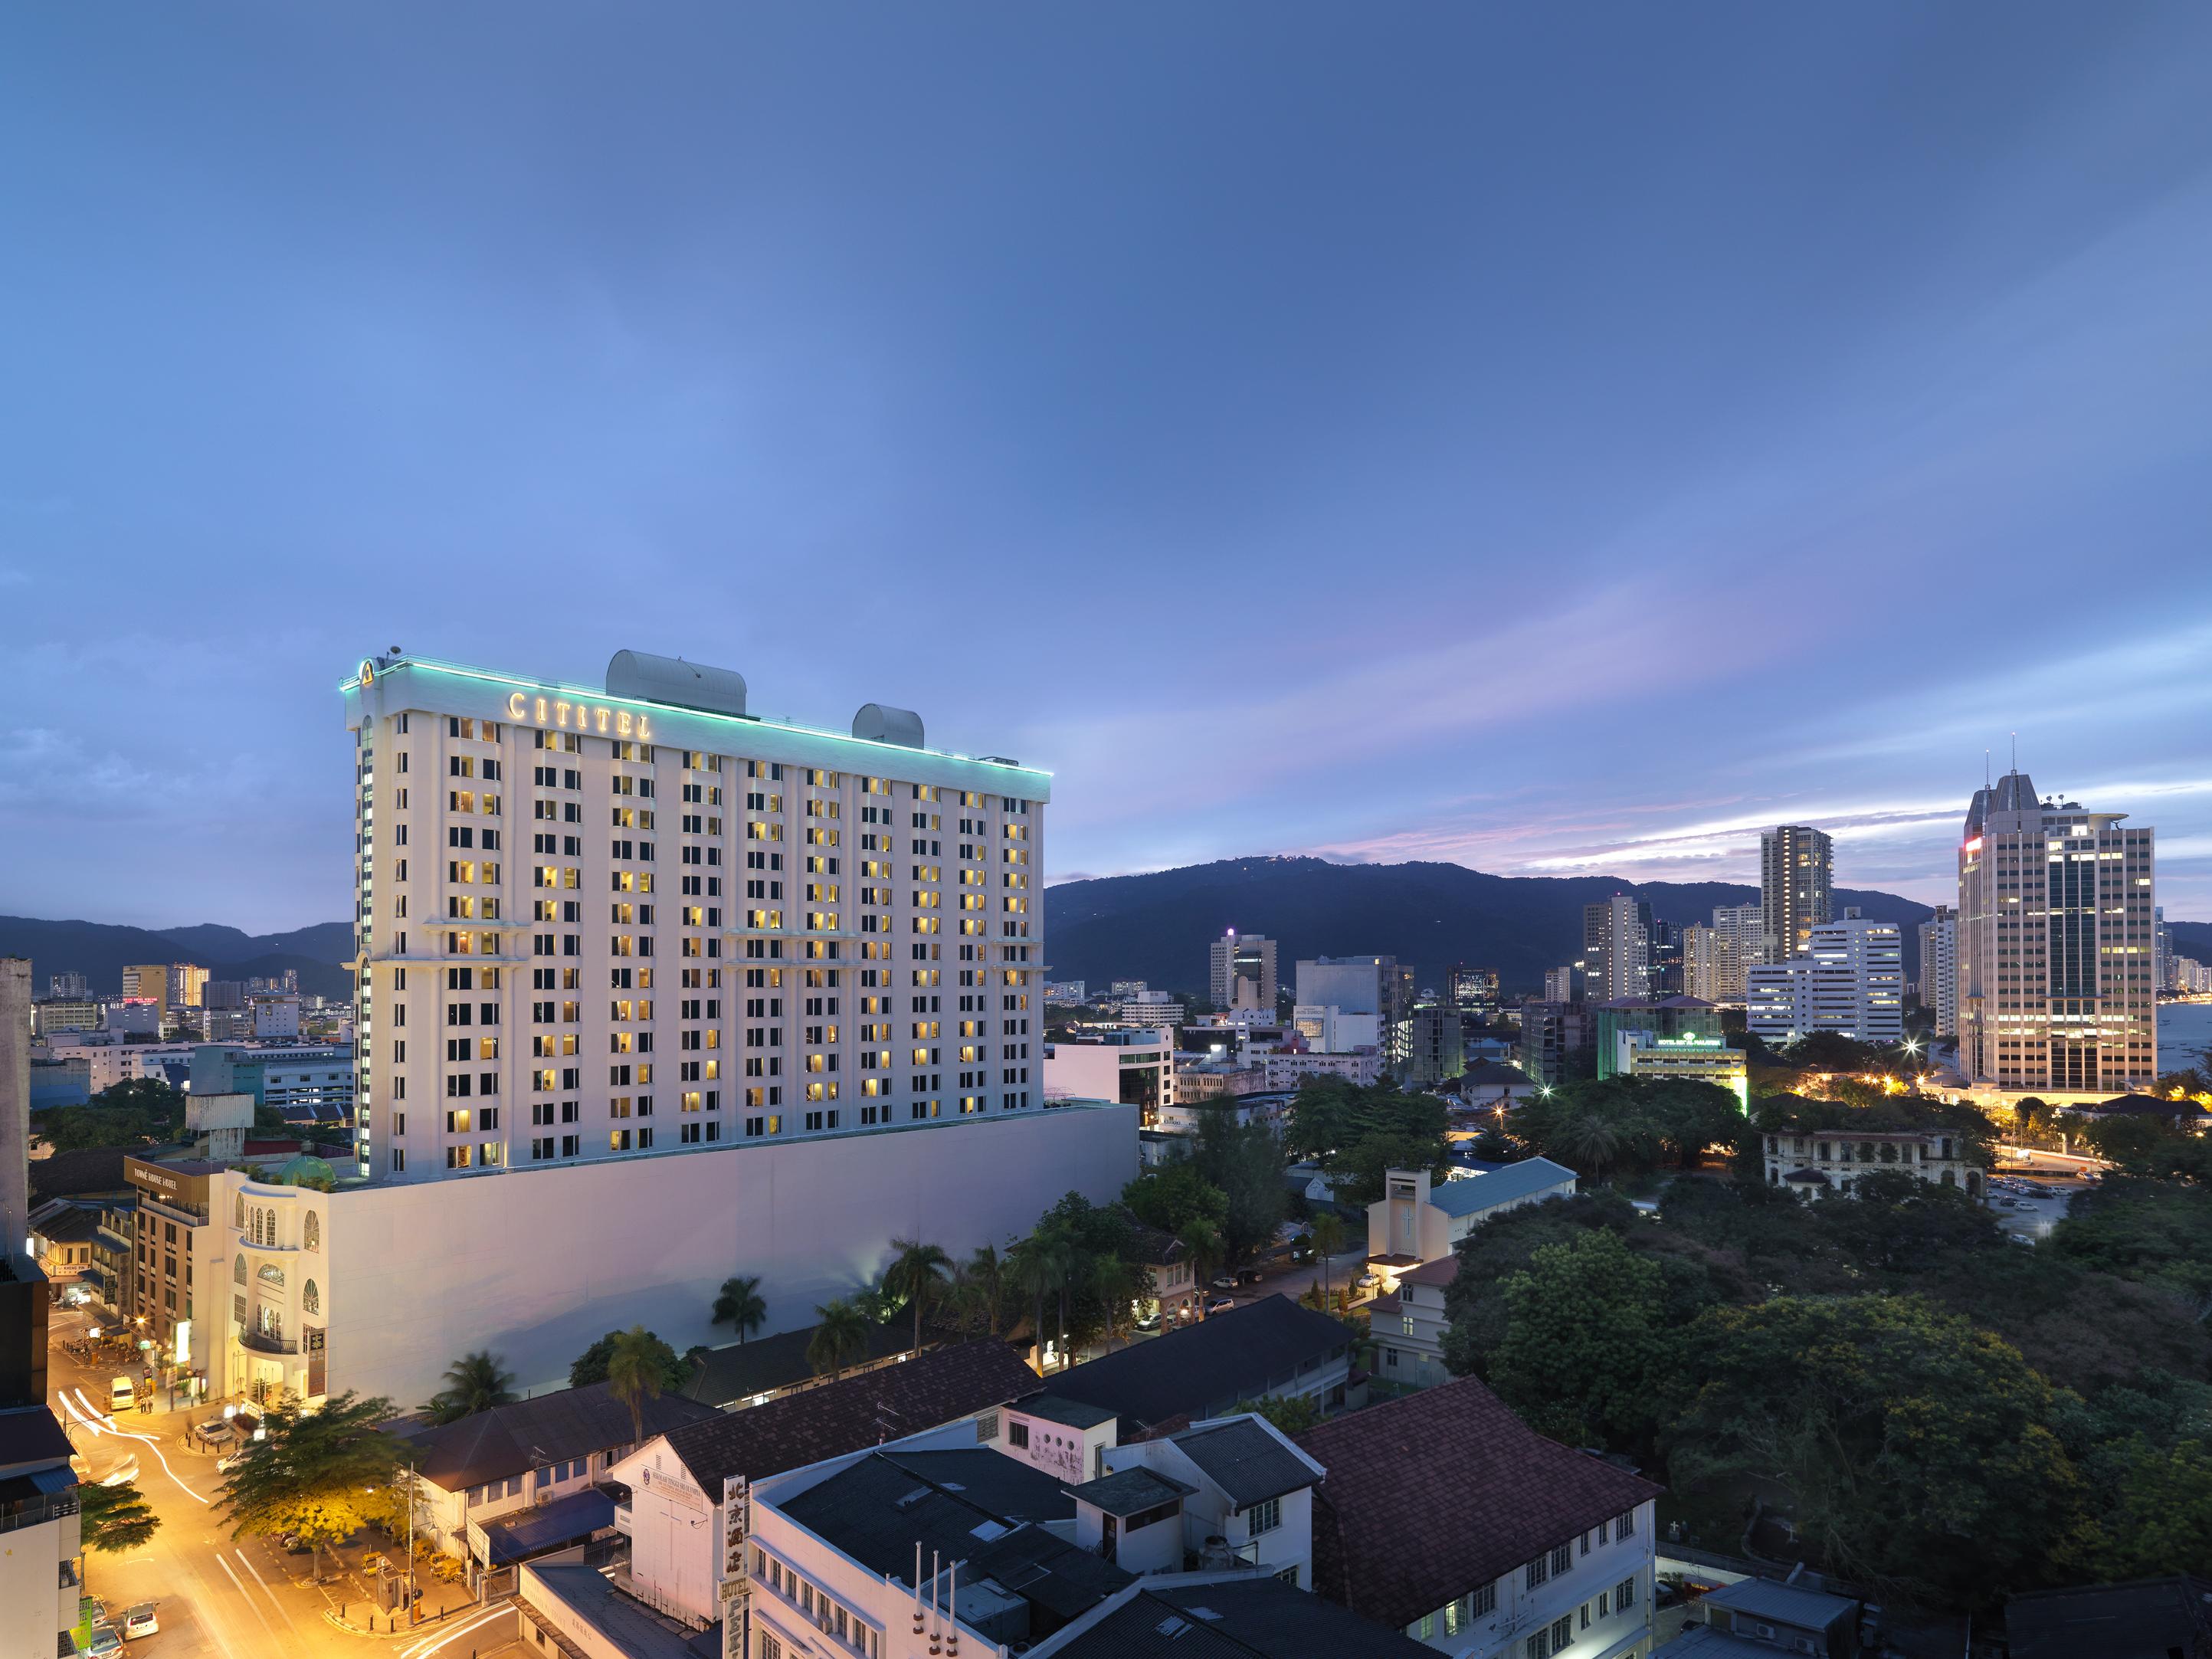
(1429, 1496)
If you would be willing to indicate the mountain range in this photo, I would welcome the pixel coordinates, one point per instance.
(1159, 926)
(100, 951)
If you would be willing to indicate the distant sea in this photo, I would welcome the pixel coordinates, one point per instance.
(2183, 1028)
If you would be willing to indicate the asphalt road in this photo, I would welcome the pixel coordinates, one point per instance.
(217, 1596)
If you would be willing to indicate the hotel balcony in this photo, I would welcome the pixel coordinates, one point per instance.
(262, 1342)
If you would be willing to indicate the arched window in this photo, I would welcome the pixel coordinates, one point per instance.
(1948, 1180)
(239, 1272)
(311, 1299)
(242, 1212)
(311, 1232)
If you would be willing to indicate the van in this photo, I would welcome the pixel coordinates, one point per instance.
(121, 1396)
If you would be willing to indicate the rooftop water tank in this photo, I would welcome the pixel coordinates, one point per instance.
(878, 722)
(648, 678)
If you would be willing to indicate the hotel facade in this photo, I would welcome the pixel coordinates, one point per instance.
(2055, 942)
(593, 924)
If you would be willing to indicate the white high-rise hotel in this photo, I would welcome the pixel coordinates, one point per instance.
(596, 924)
(2055, 945)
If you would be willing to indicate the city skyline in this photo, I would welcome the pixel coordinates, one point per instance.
(1469, 379)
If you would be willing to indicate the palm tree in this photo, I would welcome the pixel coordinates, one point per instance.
(1327, 1232)
(841, 1338)
(917, 1274)
(1203, 1240)
(474, 1382)
(636, 1371)
(741, 1305)
(1036, 1265)
(986, 1270)
(1588, 1140)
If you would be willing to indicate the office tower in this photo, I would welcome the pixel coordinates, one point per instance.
(148, 982)
(2057, 908)
(1474, 990)
(1362, 985)
(1430, 1046)
(1796, 866)
(1249, 957)
(1563, 984)
(1617, 948)
(1664, 975)
(599, 923)
(73, 985)
(1939, 970)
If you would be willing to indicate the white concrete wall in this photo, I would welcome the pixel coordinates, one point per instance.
(34, 1607)
(536, 1264)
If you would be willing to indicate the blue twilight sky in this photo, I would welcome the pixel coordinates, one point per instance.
(1552, 437)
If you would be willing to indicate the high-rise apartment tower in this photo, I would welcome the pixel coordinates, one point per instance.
(1796, 866)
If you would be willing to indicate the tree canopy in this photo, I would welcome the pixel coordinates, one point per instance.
(314, 1471)
(592, 1366)
(474, 1382)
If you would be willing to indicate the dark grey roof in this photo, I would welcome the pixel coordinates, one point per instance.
(2140, 1618)
(979, 1505)
(768, 1363)
(1246, 1462)
(1068, 1413)
(1126, 1492)
(1245, 1618)
(630, 1628)
(1248, 1352)
(934, 1388)
(510, 1440)
(1785, 1604)
(66, 1224)
(31, 1436)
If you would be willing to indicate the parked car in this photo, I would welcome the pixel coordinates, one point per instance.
(1220, 1304)
(1151, 1321)
(138, 1621)
(104, 1642)
(121, 1394)
(1368, 1281)
(1222, 1282)
(91, 1610)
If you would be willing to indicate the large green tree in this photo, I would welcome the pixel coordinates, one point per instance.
(1246, 1163)
(135, 1112)
(1920, 1454)
(1584, 1348)
(592, 1366)
(314, 1472)
(1173, 1196)
(115, 1519)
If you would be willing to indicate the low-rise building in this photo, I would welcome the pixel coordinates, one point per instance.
(1225, 1492)
(1443, 1515)
(690, 1488)
(1754, 1617)
(543, 1461)
(1135, 1068)
(738, 1375)
(283, 1075)
(1488, 1085)
(1416, 1220)
(1271, 1108)
(1815, 1162)
(1554, 1036)
(1409, 1323)
(1285, 1068)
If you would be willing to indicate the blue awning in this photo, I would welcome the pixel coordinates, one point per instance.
(551, 1526)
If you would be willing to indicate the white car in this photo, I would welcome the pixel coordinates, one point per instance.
(137, 1621)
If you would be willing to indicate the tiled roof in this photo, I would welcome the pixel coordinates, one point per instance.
(1244, 1618)
(1245, 1460)
(1493, 1073)
(1248, 1352)
(1431, 1496)
(552, 1428)
(1516, 1180)
(1442, 1271)
(855, 1413)
(93, 1169)
(66, 1224)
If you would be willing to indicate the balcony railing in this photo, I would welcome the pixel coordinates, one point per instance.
(191, 1214)
(37, 1511)
(262, 1342)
